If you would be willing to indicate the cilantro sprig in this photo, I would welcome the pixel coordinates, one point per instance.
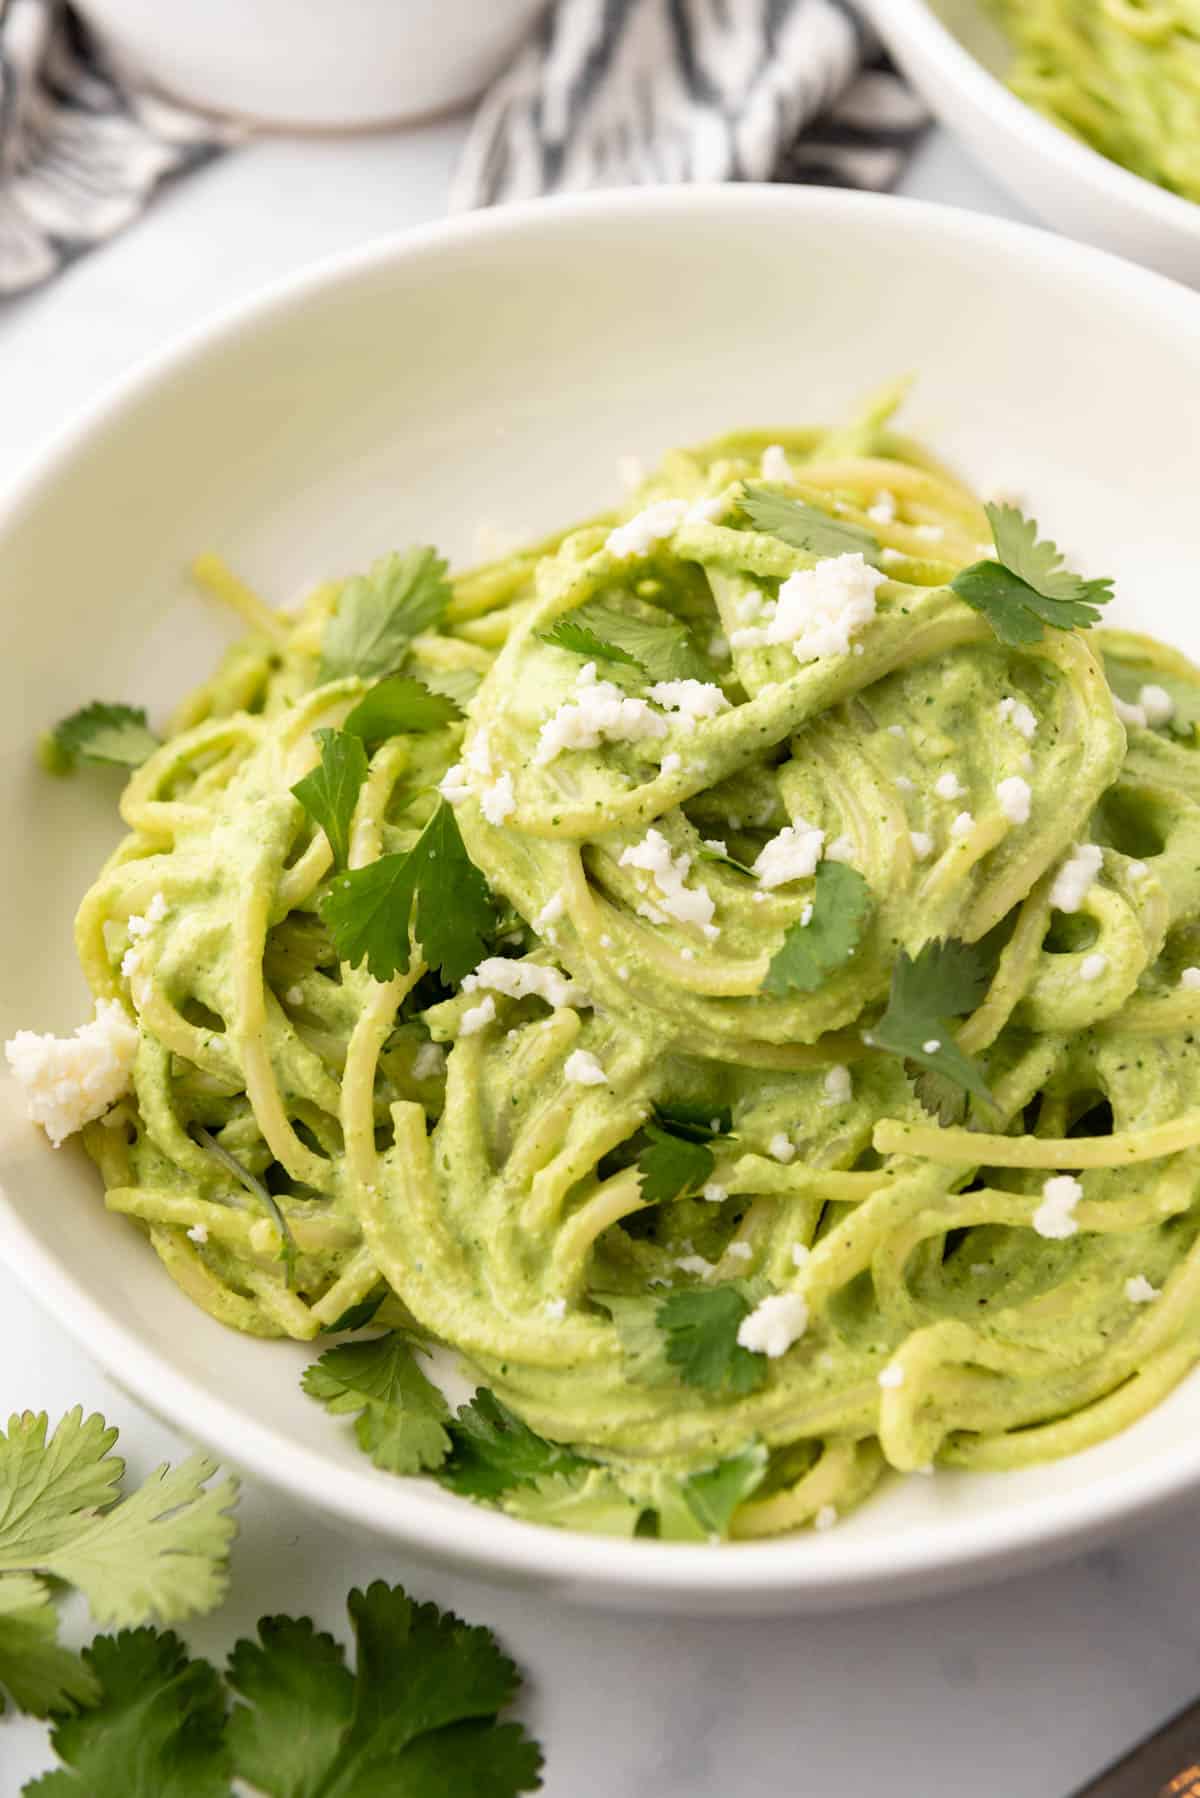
(115, 736)
(493, 1452)
(678, 1158)
(810, 953)
(419, 1714)
(330, 792)
(379, 614)
(1027, 587)
(257, 1189)
(806, 527)
(400, 706)
(159, 1552)
(700, 1328)
(658, 646)
(944, 981)
(401, 1415)
(433, 892)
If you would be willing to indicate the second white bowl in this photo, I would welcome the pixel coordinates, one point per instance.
(953, 53)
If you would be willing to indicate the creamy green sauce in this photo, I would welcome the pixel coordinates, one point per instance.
(496, 1199)
(1123, 76)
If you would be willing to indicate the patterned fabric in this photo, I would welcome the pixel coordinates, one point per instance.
(613, 92)
(606, 93)
(82, 148)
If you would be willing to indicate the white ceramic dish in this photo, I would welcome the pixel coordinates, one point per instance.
(493, 370)
(954, 54)
(328, 65)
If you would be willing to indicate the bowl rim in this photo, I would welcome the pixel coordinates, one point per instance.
(782, 1572)
(914, 25)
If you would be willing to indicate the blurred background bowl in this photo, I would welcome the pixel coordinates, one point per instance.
(953, 52)
(316, 64)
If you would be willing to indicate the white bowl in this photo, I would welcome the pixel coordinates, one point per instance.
(493, 370)
(316, 64)
(955, 55)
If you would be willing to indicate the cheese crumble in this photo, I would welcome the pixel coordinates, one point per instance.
(692, 699)
(774, 1325)
(1018, 714)
(600, 712)
(66, 1082)
(818, 610)
(792, 855)
(687, 905)
(1139, 1291)
(582, 1069)
(1055, 1216)
(521, 979)
(1016, 797)
(1074, 879)
(638, 536)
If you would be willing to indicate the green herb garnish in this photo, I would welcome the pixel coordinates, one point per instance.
(433, 890)
(380, 613)
(1026, 587)
(806, 527)
(330, 792)
(116, 736)
(809, 953)
(944, 981)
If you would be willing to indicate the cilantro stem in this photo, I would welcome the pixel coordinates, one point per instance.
(255, 1187)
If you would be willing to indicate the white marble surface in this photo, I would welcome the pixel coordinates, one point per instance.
(1018, 1691)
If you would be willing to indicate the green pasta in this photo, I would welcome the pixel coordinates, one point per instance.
(1122, 75)
(685, 1187)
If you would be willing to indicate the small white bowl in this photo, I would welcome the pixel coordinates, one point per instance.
(492, 371)
(329, 65)
(955, 55)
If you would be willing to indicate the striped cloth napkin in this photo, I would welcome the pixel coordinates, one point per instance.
(604, 94)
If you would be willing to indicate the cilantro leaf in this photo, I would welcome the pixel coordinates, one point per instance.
(1027, 588)
(1039, 564)
(257, 1189)
(494, 1451)
(299, 1697)
(714, 1494)
(1127, 681)
(160, 1552)
(398, 706)
(369, 912)
(41, 1675)
(380, 613)
(672, 1165)
(330, 792)
(573, 633)
(701, 1340)
(116, 735)
(944, 981)
(806, 527)
(592, 1500)
(357, 1317)
(657, 644)
(457, 684)
(401, 1415)
(48, 1489)
(156, 1729)
(693, 1119)
(714, 852)
(809, 953)
(419, 1718)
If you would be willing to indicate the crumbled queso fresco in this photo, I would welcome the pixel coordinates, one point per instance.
(818, 610)
(69, 1081)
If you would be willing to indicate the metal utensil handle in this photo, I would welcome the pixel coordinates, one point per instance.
(1165, 1765)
